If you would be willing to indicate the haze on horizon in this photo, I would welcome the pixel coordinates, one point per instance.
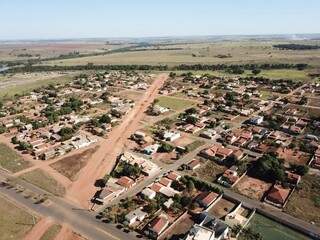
(36, 19)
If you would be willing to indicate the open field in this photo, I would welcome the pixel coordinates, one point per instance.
(240, 52)
(19, 51)
(14, 222)
(271, 230)
(51, 233)
(175, 104)
(305, 202)
(222, 208)
(10, 160)
(70, 166)
(25, 82)
(209, 170)
(252, 187)
(41, 179)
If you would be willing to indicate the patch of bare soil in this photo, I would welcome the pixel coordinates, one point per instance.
(70, 166)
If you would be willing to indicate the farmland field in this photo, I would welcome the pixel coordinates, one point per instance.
(14, 222)
(209, 53)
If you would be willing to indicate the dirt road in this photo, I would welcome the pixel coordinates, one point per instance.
(39, 229)
(104, 159)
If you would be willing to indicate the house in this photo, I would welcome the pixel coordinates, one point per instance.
(206, 198)
(236, 218)
(193, 164)
(209, 134)
(293, 178)
(108, 193)
(316, 162)
(256, 120)
(156, 187)
(210, 228)
(151, 149)
(157, 226)
(157, 110)
(149, 193)
(168, 203)
(171, 136)
(165, 182)
(125, 182)
(229, 177)
(134, 216)
(172, 175)
(216, 152)
(277, 195)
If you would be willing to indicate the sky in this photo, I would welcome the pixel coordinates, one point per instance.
(54, 19)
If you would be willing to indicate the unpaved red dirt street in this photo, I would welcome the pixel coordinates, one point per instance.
(103, 160)
(39, 229)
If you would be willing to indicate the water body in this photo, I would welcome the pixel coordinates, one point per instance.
(271, 230)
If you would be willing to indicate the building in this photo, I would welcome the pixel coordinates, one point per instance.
(134, 216)
(171, 136)
(229, 177)
(157, 226)
(151, 149)
(256, 120)
(210, 228)
(206, 198)
(108, 193)
(149, 193)
(125, 182)
(277, 195)
(193, 164)
(216, 152)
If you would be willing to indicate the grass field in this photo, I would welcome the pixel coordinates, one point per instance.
(24, 83)
(175, 104)
(271, 230)
(10, 160)
(43, 180)
(240, 51)
(51, 233)
(305, 203)
(14, 221)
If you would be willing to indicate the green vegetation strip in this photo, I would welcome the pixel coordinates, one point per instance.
(51, 233)
(44, 181)
(10, 160)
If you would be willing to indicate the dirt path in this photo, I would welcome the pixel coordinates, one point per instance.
(39, 229)
(64, 234)
(103, 160)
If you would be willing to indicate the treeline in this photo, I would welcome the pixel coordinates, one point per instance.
(41, 68)
(236, 69)
(293, 46)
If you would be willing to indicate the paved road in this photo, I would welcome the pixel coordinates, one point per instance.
(80, 220)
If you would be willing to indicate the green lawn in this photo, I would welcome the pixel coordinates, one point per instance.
(271, 230)
(10, 160)
(51, 233)
(14, 221)
(175, 104)
(45, 181)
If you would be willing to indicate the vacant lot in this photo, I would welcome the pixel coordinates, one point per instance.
(222, 208)
(51, 233)
(10, 160)
(43, 180)
(252, 187)
(210, 170)
(14, 222)
(305, 201)
(70, 166)
(173, 103)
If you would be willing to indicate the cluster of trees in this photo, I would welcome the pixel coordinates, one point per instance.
(165, 147)
(66, 133)
(239, 68)
(126, 169)
(269, 168)
(294, 46)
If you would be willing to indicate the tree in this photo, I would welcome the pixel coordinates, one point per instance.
(269, 168)
(66, 133)
(191, 119)
(165, 147)
(23, 146)
(105, 118)
(256, 71)
(300, 169)
(191, 111)
(190, 186)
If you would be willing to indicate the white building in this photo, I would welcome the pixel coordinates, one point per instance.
(134, 216)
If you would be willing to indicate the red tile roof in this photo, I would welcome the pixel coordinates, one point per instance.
(158, 224)
(206, 198)
(125, 182)
(278, 194)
